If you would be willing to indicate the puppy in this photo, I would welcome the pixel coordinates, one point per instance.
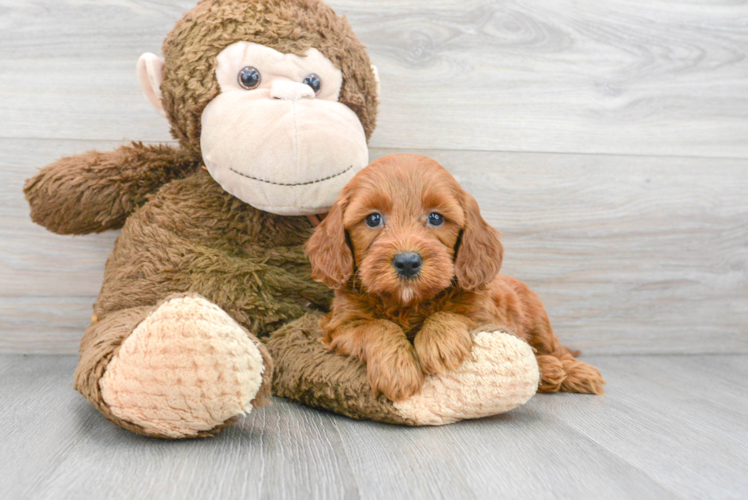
(415, 269)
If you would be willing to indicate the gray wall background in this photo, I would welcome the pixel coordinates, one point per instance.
(607, 140)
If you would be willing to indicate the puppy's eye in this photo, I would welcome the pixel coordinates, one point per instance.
(249, 77)
(312, 79)
(373, 220)
(436, 219)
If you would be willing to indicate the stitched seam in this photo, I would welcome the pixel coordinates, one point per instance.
(289, 183)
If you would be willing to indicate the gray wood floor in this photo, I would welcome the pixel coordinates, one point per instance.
(669, 427)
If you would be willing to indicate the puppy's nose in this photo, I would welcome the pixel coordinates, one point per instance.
(407, 264)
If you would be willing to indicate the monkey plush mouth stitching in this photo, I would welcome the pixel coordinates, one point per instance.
(292, 183)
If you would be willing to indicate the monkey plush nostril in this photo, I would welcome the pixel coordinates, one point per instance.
(407, 264)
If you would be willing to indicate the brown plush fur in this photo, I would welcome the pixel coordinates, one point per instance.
(194, 237)
(95, 192)
(405, 327)
(181, 232)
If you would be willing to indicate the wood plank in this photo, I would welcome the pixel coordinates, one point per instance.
(48, 283)
(44, 324)
(667, 416)
(647, 437)
(68, 67)
(42, 417)
(659, 77)
(55, 445)
(629, 254)
(523, 454)
(285, 451)
(35, 261)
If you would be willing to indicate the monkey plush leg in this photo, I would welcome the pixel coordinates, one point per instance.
(182, 369)
(500, 374)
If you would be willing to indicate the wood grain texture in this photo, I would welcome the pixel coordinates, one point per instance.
(629, 254)
(669, 427)
(547, 461)
(669, 403)
(655, 77)
(48, 283)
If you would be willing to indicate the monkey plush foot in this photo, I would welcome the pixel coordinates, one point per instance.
(501, 373)
(186, 370)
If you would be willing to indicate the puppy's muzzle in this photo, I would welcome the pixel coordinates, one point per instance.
(407, 264)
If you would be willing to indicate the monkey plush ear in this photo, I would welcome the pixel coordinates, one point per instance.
(150, 75)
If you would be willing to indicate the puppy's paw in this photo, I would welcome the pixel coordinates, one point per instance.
(396, 374)
(442, 345)
(552, 373)
(568, 375)
(582, 377)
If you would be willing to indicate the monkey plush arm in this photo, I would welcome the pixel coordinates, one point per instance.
(95, 191)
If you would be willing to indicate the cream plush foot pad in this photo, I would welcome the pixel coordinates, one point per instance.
(188, 367)
(501, 375)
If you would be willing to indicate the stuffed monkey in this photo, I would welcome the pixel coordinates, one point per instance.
(272, 103)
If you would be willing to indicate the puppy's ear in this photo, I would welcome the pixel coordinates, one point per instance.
(479, 252)
(328, 251)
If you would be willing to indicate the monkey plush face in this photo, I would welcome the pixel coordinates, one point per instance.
(276, 136)
(277, 97)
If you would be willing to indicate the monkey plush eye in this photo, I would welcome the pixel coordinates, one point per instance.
(249, 77)
(436, 219)
(312, 79)
(373, 220)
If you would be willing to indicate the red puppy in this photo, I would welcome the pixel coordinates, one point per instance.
(415, 269)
